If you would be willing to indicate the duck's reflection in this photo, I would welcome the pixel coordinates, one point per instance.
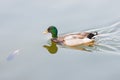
(52, 48)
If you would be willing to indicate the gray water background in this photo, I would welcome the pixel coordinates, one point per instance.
(22, 23)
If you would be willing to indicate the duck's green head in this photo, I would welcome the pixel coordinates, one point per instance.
(53, 30)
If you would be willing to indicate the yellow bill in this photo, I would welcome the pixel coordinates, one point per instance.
(45, 32)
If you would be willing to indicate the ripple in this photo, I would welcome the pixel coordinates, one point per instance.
(108, 39)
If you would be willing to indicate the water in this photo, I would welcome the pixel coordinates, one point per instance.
(21, 26)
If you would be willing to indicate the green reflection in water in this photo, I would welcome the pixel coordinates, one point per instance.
(52, 48)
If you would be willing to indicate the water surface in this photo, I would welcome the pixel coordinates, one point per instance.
(21, 26)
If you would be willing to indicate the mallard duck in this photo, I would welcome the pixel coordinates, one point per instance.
(72, 39)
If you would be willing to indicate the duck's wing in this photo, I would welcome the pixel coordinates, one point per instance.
(78, 35)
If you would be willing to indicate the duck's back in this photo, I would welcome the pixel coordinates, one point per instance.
(74, 40)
